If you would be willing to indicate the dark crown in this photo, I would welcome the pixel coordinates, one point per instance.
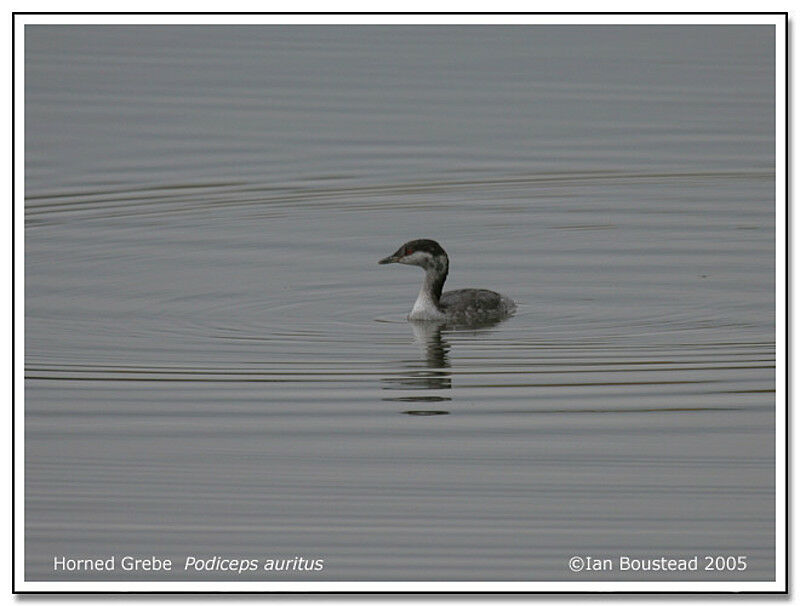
(429, 246)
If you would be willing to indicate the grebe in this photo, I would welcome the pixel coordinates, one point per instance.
(464, 306)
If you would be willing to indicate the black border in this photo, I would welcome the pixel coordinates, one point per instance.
(15, 591)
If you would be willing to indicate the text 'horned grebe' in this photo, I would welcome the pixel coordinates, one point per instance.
(464, 306)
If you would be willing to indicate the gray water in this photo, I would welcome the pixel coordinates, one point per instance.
(217, 366)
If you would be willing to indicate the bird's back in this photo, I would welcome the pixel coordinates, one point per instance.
(471, 305)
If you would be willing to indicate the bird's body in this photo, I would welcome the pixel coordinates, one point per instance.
(464, 306)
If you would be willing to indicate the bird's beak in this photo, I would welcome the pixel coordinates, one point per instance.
(389, 259)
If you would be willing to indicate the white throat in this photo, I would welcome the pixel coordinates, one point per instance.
(424, 307)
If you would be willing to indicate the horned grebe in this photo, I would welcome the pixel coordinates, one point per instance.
(464, 306)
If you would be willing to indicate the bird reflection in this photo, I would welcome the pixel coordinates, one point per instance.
(431, 372)
(434, 347)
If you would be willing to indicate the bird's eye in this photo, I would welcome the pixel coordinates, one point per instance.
(408, 250)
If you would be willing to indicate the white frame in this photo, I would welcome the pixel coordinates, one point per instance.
(779, 20)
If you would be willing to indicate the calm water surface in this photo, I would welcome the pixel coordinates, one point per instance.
(216, 364)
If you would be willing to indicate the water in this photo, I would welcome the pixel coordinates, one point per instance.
(216, 364)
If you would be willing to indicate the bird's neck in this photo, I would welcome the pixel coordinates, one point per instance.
(434, 283)
(427, 305)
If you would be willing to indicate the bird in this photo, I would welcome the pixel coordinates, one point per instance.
(470, 306)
